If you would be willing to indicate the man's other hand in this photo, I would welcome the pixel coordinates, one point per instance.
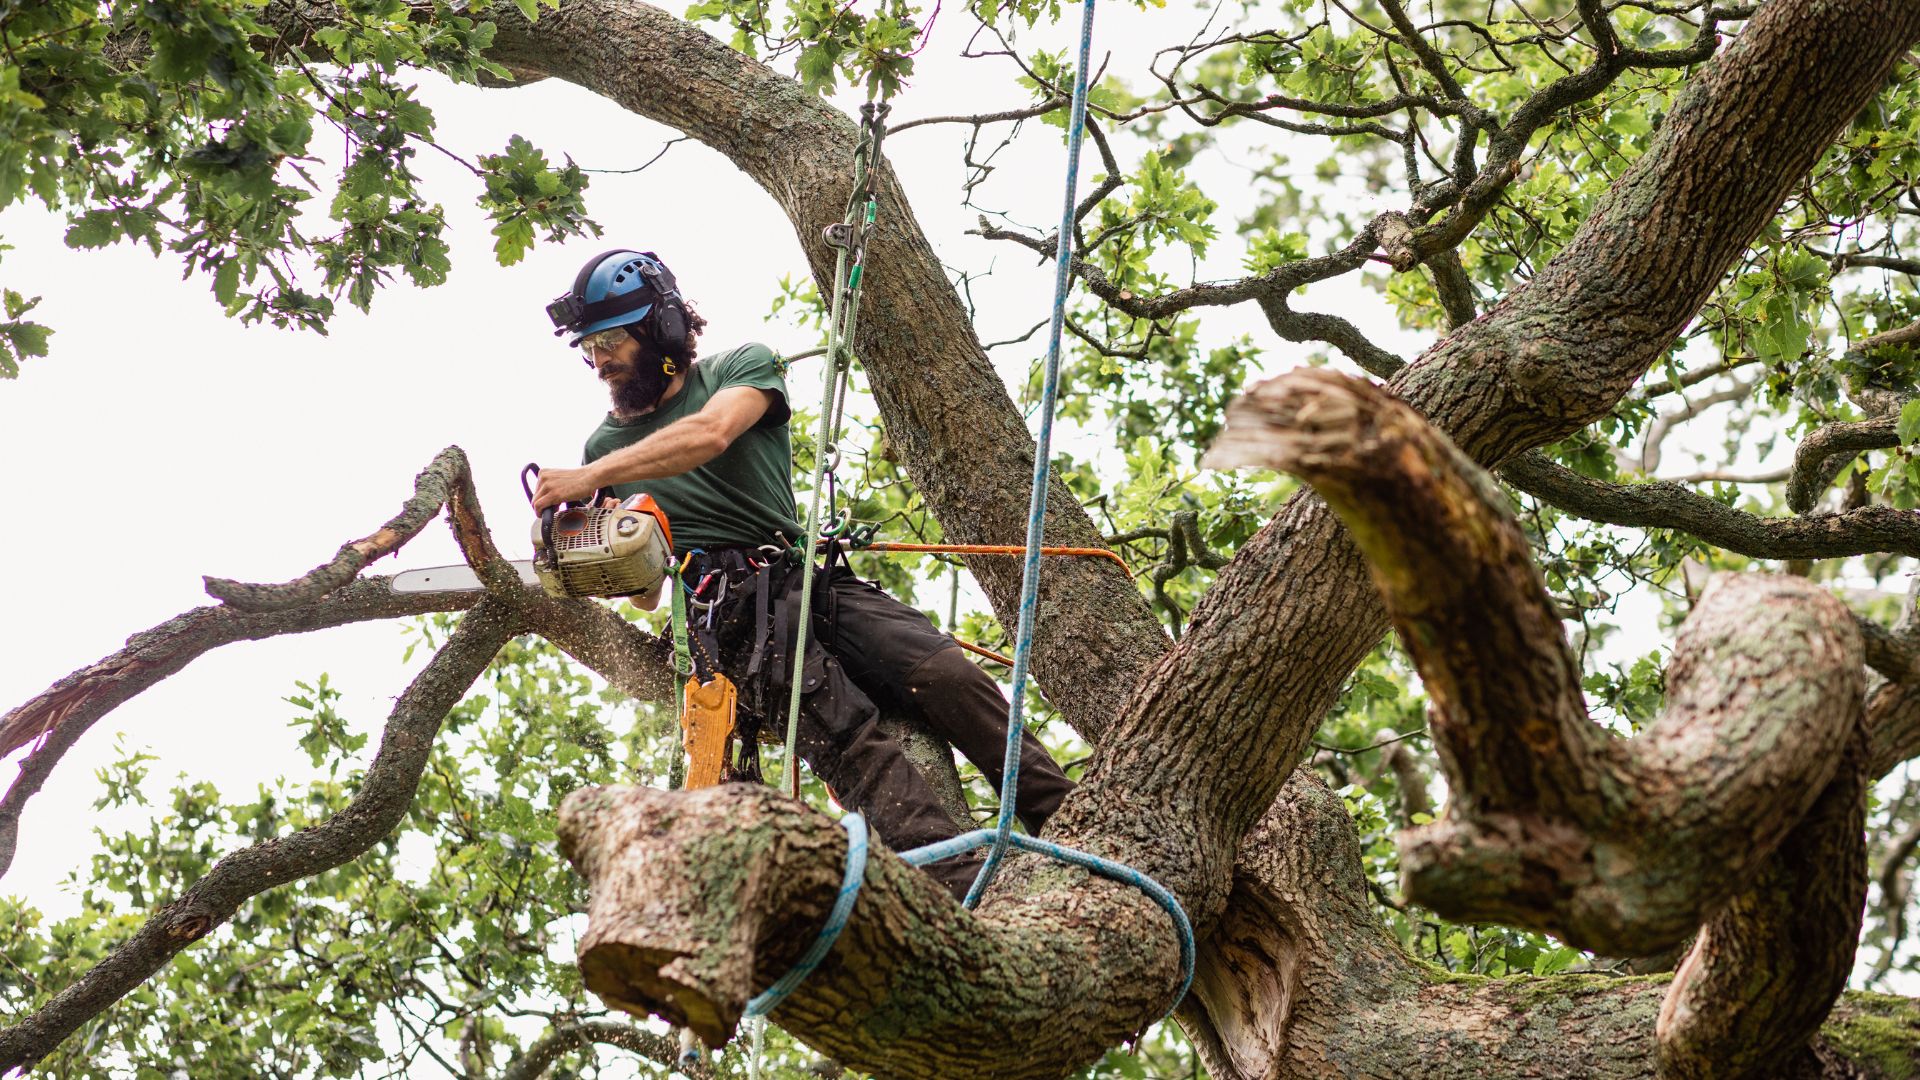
(563, 485)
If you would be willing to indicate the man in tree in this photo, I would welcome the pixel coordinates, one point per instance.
(708, 439)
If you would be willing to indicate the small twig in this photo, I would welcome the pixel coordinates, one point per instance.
(664, 147)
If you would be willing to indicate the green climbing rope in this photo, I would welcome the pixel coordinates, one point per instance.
(850, 238)
(682, 670)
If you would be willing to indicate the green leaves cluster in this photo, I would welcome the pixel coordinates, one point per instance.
(191, 127)
(828, 39)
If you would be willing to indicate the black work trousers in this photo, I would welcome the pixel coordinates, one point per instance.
(868, 653)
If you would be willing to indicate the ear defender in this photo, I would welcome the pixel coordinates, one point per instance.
(668, 327)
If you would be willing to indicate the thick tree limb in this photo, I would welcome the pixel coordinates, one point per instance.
(64, 712)
(1668, 504)
(384, 796)
(701, 898)
(1781, 951)
(1302, 981)
(1555, 824)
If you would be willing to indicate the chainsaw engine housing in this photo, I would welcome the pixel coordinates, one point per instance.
(602, 551)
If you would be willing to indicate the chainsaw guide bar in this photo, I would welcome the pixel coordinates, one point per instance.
(453, 578)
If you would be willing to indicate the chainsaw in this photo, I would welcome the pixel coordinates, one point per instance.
(604, 551)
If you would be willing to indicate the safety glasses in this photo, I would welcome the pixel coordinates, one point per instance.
(604, 339)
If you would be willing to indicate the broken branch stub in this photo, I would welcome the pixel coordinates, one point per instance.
(701, 898)
(1620, 846)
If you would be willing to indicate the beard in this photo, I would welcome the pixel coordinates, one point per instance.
(640, 391)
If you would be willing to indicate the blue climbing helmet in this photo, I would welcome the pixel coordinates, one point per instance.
(624, 288)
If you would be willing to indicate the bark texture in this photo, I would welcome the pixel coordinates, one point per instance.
(700, 899)
(1202, 746)
(1742, 805)
(1299, 980)
(1619, 846)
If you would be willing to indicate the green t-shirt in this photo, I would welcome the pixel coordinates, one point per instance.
(743, 496)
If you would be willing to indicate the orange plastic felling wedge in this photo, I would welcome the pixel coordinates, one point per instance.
(705, 726)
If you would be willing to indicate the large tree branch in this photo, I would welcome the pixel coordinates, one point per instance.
(1302, 980)
(1667, 504)
(1782, 949)
(1728, 809)
(1553, 823)
(384, 796)
(63, 713)
(59, 715)
(701, 898)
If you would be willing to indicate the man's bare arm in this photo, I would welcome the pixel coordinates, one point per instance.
(679, 447)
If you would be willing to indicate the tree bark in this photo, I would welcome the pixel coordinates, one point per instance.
(1619, 846)
(1215, 727)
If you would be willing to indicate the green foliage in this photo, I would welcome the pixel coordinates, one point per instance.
(18, 337)
(203, 145)
(828, 41)
(455, 931)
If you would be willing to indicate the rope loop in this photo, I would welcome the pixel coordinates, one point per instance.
(765, 1001)
(1106, 868)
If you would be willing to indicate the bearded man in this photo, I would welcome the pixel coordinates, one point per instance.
(708, 439)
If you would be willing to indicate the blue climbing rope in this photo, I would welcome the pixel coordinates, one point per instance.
(1002, 836)
(764, 1002)
(1037, 504)
(1120, 872)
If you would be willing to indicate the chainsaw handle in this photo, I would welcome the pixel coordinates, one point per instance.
(546, 516)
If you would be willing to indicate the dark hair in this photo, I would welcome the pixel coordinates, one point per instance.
(641, 332)
(695, 324)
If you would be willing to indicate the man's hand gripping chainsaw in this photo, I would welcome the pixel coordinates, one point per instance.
(609, 550)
